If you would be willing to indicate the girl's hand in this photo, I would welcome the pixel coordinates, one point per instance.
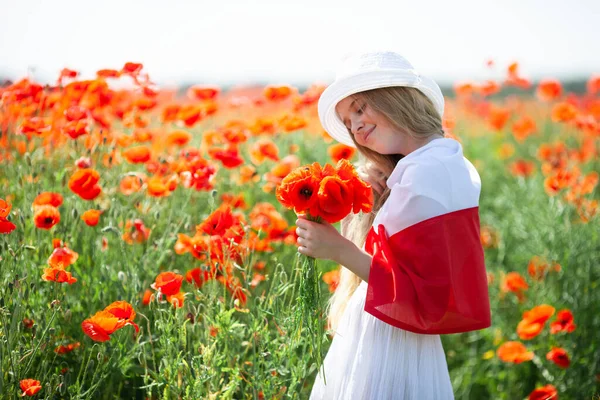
(374, 176)
(320, 240)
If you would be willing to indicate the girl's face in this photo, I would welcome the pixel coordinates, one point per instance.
(369, 128)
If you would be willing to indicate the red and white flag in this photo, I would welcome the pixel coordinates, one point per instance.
(428, 270)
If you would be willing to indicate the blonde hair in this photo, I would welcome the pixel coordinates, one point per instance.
(410, 112)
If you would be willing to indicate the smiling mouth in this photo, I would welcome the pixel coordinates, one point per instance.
(368, 133)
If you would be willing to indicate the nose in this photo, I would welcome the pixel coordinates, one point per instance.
(357, 125)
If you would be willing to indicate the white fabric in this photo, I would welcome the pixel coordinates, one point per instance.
(433, 180)
(368, 358)
(366, 71)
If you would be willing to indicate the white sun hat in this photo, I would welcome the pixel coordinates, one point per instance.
(368, 71)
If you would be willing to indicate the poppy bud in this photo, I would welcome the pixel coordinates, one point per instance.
(28, 158)
(75, 213)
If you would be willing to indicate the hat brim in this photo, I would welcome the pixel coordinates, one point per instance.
(344, 87)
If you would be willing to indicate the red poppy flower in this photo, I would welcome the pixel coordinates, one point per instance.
(168, 283)
(5, 225)
(91, 217)
(30, 387)
(514, 352)
(46, 216)
(559, 356)
(547, 392)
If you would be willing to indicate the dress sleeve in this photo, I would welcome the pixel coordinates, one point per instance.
(428, 270)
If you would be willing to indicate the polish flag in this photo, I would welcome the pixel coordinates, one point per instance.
(428, 271)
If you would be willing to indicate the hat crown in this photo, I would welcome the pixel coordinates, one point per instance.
(387, 60)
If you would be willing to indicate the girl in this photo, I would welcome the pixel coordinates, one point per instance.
(414, 267)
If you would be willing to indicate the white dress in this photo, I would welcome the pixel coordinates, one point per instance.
(369, 358)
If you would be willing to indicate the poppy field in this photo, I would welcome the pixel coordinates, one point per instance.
(144, 253)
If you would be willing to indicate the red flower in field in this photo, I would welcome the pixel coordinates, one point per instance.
(83, 162)
(256, 279)
(564, 322)
(340, 151)
(131, 184)
(229, 156)
(100, 326)
(91, 217)
(489, 237)
(168, 283)
(265, 217)
(5, 225)
(282, 168)
(74, 129)
(76, 113)
(190, 114)
(62, 255)
(64, 349)
(30, 387)
(538, 268)
(35, 125)
(137, 155)
(108, 73)
(124, 311)
(104, 323)
(176, 299)
(178, 138)
(332, 278)
(547, 392)
(132, 68)
(46, 216)
(514, 352)
(135, 232)
(533, 321)
(593, 85)
(198, 276)
(234, 201)
(278, 93)
(148, 297)
(522, 168)
(559, 356)
(488, 88)
(218, 222)
(549, 89)
(498, 117)
(564, 112)
(263, 149)
(514, 282)
(523, 128)
(84, 183)
(58, 274)
(53, 199)
(291, 123)
(201, 92)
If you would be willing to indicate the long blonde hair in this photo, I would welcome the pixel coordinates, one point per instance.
(410, 112)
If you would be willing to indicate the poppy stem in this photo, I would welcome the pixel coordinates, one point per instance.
(308, 310)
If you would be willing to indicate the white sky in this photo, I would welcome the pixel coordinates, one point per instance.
(278, 41)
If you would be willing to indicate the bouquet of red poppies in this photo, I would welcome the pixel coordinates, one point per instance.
(322, 194)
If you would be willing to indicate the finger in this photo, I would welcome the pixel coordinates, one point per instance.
(302, 242)
(303, 223)
(300, 231)
(303, 250)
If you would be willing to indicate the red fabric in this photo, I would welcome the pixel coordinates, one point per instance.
(430, 277)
